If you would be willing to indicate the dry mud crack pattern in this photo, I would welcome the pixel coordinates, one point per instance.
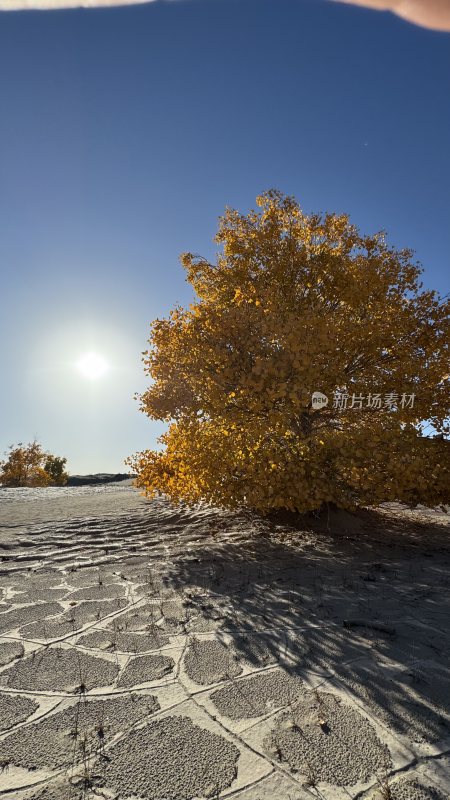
(153, 653)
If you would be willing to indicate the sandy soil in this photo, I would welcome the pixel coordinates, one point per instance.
(155, 653)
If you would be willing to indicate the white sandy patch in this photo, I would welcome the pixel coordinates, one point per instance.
(112, 597)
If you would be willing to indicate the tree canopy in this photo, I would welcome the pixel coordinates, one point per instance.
(297, 304)
(30, 465)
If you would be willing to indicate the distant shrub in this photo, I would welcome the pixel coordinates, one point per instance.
(30, 465)
(54, 467)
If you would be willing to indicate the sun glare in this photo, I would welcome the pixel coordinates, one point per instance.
(92, 366)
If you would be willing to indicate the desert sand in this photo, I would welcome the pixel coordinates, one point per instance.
(164, 653)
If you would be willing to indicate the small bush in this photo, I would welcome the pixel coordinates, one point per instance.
(30, 465)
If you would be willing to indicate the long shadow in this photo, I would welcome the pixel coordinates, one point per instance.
(363, 598)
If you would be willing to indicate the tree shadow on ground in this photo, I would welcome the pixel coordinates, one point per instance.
(363, 598)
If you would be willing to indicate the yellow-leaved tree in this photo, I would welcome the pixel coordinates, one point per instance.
(298, 304)
(30, 465)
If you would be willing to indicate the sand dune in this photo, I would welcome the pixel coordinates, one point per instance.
(153, 652)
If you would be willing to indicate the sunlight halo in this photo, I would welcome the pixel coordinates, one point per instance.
(92, 366)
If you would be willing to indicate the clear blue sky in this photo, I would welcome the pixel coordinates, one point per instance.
(124, 132)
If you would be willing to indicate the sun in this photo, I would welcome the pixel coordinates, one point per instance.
(92, 366)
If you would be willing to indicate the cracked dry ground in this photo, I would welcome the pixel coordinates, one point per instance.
(163, 654)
